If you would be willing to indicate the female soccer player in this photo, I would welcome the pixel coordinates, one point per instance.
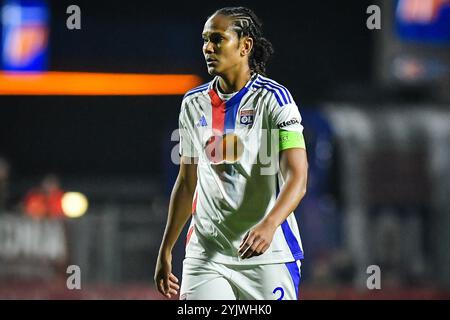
(243, 171)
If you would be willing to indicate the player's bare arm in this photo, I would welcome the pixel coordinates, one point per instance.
(294, 168)
(179, 213)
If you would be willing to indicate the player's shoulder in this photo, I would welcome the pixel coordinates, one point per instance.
(274, 90)
(197, 91)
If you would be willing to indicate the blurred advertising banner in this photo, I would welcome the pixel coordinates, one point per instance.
(30, 248)
(413, 46)
(423, 20)
(25, 35)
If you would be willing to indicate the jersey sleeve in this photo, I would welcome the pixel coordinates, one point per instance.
(187, 148)
(288, 121)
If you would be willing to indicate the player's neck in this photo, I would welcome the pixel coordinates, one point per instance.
(234, 82)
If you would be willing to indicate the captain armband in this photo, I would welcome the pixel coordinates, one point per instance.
(291, 139)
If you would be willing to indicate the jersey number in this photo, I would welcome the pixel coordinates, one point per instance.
(281, 290)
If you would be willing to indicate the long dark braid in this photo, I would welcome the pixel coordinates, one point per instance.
(246, 23)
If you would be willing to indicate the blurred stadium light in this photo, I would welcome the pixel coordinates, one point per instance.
(74, 204)
(84, 83)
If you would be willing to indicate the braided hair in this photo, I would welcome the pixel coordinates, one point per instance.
(246, 23)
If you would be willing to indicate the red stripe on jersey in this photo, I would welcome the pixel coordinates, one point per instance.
(189, 234)
(194, 203)
(218, 113)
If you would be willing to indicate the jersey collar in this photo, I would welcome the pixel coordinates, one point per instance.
(237, 97)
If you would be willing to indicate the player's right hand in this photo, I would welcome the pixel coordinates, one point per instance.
(165, 280)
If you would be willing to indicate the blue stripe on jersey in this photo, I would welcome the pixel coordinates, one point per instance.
(200, 86)
(270, 90)
(231, 109)
(260, 82)
(291, 241)
(288, 94)
(197, 89)
(295, 275)
(249, 85)
(282, 88)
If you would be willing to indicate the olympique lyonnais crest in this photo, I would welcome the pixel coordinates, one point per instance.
(246, 117)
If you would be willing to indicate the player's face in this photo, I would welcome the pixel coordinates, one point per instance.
(221, 46)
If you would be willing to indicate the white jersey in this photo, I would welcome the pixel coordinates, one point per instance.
(231, 197)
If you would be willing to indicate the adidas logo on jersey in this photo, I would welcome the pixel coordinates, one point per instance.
(202, 122)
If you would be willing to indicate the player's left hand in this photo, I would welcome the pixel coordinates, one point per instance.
(257, 240)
